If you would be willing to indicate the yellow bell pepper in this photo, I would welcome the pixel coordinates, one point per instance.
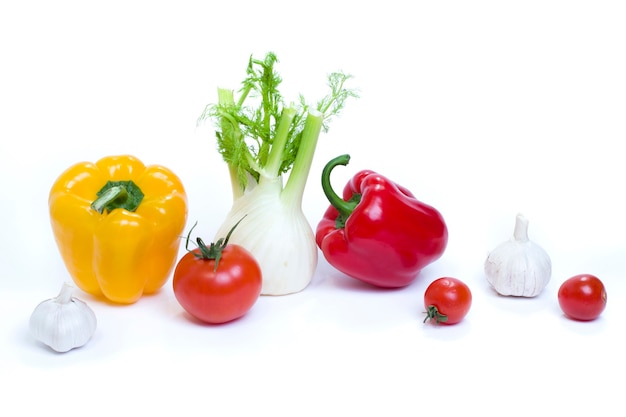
(117, 223)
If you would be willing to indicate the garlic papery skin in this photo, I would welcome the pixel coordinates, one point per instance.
(518, 267)
(64, 322)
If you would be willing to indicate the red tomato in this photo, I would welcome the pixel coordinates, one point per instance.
(447, 301)
(582, 297)
(218, 295)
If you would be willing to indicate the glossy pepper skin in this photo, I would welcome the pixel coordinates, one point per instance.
(119, 253)
(379, 232)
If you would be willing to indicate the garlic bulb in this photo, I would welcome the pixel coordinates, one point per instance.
(64, 322)
(518, 267)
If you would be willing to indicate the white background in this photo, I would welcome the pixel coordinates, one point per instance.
(482, 108)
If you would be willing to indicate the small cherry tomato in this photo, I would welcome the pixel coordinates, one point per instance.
(447, 301)
(582, 297)
(219, 283)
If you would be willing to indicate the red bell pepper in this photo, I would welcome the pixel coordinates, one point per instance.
(379, 232)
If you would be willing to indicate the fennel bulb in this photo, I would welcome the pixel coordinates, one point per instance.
(260, 144)
(278, 234)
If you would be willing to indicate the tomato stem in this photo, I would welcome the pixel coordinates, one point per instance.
(214, 250)
(433, 313)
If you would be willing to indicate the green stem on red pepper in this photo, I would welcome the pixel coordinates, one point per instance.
(345, 208)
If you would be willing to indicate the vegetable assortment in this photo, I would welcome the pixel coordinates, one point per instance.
(379, 232)
(118, 225)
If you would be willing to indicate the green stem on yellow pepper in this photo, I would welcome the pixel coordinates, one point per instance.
(118, 194)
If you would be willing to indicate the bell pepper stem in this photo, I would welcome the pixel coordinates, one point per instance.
(118, 194)
(112, 194)
(345, 208)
